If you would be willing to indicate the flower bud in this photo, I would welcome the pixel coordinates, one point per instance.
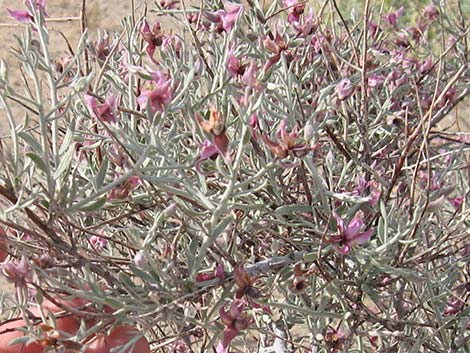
(308, 132)
(18, 273)
(139, 259)
(170, 210)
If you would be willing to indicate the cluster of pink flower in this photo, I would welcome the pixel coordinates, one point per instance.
(25, 16)
(340, 98)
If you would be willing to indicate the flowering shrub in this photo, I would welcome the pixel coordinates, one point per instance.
(264, 179)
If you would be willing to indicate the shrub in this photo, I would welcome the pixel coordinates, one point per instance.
(267, 177)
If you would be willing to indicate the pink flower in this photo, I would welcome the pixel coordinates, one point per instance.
(158, 94)
(456, 202)
(18, 273)
(99, 243)
(371, 186)
(249, 77)
(344, 89)
(415, 33)
(172, 40)
(230, 15)
(288, 143)
(276, 46)
(254, 125)
(245, 283)
(431, 13)
(295, 10)
(450, 95)
(21, 16)
(225, 19)
(305, 27)
(349, 236)
(102, 46)
(392, 17)
(209, 150)
(395, 79)
(426, 65)
(334, 339)
(24, 16)
(207, 276)
(215, 126)
(235, 320)
(454, 306)
(194, 19)
(123, 190)
(179, 347)
(233, 64)
(317, 42)
(375, 80)
(103, 112)
(152, 36)
(402, 41)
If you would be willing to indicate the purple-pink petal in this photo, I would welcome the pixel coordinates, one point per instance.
(226, 318)
(375, 80)
(134, 181)
(282, 130)
(393, 17)
(41, 3)
(353, 227)
(145, 28)
(20, 15)
(456, 201)
(159, 97)
(237, 308)
(208, 150)
(220, 272)
(213, 17)
(339, 223)
(90, 103)
(229, 335)
(150, 50)
(221, 349)
(343, 249)
(361, 238)
(232, 64)
(344, 89)
(249, 76)
(103, 112)
(230, 15)
(431, 12)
